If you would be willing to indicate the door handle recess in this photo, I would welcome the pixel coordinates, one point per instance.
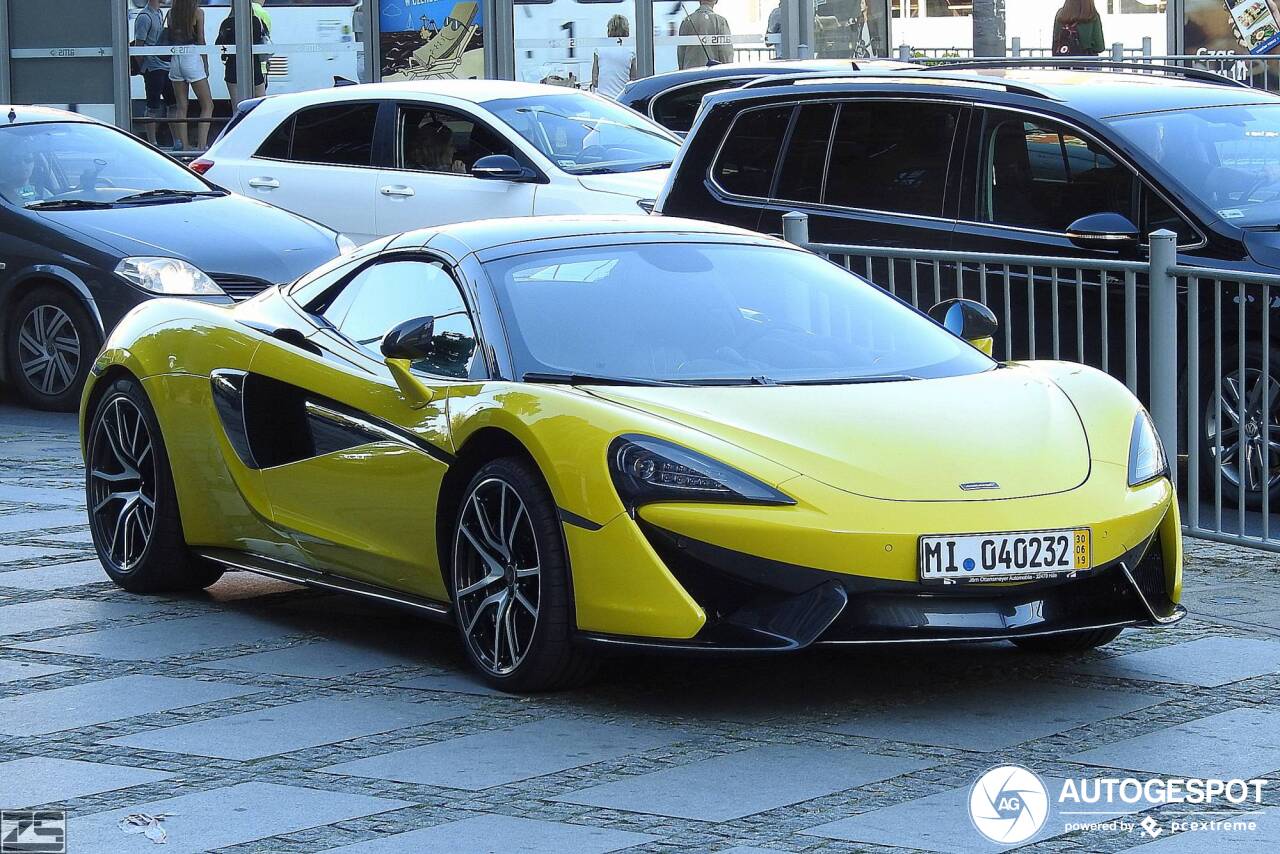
(264, 183)
(396, 190)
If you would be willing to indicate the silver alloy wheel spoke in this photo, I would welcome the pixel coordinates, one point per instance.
(49, 349)
(1251, 441)
(121, 483)
(496, 575)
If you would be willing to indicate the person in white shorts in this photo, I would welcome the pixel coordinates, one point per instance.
(186, 27)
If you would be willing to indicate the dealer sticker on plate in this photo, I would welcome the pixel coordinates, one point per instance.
(1017, 556)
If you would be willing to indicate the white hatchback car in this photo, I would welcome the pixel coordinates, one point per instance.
(384, 158)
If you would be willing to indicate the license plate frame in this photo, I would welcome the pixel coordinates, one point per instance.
(951, 561)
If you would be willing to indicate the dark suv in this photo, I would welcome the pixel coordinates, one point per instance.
(997, 159)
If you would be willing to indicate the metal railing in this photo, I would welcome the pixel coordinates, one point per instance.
(1122, 317)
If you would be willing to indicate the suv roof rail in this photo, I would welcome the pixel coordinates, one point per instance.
(921, 76)
(1199, 74)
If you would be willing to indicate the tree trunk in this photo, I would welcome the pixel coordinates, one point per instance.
(988, 28)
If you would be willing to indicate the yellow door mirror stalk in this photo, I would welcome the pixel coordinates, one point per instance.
(417, 393)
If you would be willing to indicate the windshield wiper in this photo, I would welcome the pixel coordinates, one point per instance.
(163, 193)
(67, 205)
(661, 164)
(881, 378)
(590, 379)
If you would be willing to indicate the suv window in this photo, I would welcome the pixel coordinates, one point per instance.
(336, 134)
(750, 154)
(430, 139)
(1042, 175)
(676, 110)
(805, 161)
(892, 156)
(390, 292)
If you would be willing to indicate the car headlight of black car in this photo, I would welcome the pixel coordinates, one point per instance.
(647, 469)
(1146, 453)
(169, 276)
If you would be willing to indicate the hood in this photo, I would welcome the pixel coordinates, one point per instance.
(228, 235)
(903, 441)
(1263, 245)
(637, 185)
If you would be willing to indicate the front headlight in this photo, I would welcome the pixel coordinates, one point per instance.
(345, 245)
(1146, 454)
(646, 469)
(169, 276)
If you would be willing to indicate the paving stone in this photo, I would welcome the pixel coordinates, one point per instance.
(227, 816)
(488, 834)
(53, 613)
(168, 637)
(458, 683)
(743, 783)
(55, 577)
(492, 758)
(1239, 743)
(41, 495)
(1265, 839)
(88, 703)
(16, 671)
(40, 780)
(1209, 662)
(320, 660)
(991, 716)
(282, 729)
(12, 554)
(42, 519)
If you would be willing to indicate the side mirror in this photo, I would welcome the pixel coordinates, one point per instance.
(1106, 232)
(500, 167)
(969, 319)
(402, 345)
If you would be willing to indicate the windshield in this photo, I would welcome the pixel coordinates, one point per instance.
(716, 314)
(585, 135)
(1226, 157)
(79, 164)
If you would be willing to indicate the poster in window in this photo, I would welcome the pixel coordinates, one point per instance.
(431, 39)
(1231, 27)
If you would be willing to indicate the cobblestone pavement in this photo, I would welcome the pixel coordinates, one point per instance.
(264, 717)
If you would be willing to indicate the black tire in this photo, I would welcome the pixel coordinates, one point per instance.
(125, 455)
(541, 654)
(48, 372)
(1254, 418)
(1069, 641)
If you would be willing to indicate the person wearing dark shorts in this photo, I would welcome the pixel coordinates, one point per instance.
(147, 28)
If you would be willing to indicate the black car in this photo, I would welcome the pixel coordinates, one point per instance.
(998, 159)
(93, 221)
(672, 99)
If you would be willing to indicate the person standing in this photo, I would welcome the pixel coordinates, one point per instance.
(614, 66)
(186, 27)
(147, 28)
(1077, 30)
(227, 35)
(704, 22)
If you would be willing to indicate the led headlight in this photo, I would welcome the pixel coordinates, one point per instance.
(646, 469)
(1146, 454)
(170, 276)
(345, 245)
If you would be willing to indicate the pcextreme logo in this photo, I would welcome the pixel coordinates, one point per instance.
(1009, 804)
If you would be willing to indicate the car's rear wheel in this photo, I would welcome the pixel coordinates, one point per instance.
(51, 343)
(510, 581)
(1069, 641)
(133, 507)
(1250, 447)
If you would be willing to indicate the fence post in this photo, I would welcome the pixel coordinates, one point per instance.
(795, 228)
(1015, 47)
(1162, 289)
(1146, 45)
(904, 53)
(1117, 51)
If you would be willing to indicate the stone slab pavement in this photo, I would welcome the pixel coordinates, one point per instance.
(262, 717)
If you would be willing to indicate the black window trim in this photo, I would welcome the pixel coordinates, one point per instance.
(380, 103)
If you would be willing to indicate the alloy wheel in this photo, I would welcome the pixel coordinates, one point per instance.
(496, 575)
(48, 349)
(1257, 437)
(122, 483)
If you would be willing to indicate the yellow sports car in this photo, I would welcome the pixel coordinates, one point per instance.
(565, 435)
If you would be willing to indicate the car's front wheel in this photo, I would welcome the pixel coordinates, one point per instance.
(510, 582)
(51, 342)
(133, 507)
(1069, 641)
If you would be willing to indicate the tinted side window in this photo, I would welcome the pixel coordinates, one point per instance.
(389, 293)
(1160, 214)
(1042, 175)
(276, 145)
(750, 154)
(892, 156)
(676, 110)
(436, 140)
(806, 159)
(341, 134)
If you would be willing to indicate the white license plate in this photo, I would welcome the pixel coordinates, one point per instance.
(1017, 556)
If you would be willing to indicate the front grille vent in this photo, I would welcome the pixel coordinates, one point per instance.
(241, 288)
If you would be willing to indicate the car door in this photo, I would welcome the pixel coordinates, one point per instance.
(430, 181)
(320, 163)
(353, 471)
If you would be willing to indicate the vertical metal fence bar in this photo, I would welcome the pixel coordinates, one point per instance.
(960, 279)
(1106, 330)
(893, 286)
(1131, 330)
(1193, 402)
(1080, 314)
(1163, 327)
(982, 283)
(868, 270)
(1008, 316)
(915, 285)
(937, 283)
(1053, 284)
(1217, 404)
(1242, 387)
(1266, 412)
(1031, 311)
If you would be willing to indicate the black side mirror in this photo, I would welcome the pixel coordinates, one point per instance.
(500, 167)
(1106, 232)
(410, 340)
(969, 319)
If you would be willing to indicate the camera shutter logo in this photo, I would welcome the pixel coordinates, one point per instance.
(1009, 804)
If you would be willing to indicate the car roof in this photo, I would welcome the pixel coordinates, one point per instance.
(648, 86)
(476, 91)
(21, 114)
